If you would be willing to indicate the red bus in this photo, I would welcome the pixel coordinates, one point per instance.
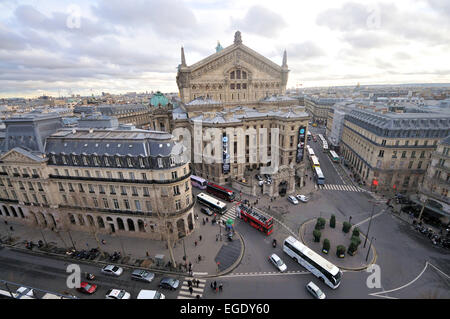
(220, 192)
(255, 218)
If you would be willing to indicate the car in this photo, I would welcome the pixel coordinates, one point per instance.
(206, 211)
(260, 179)
(268, 178)
(302, 198)
(314, 138)
(150, 294)
(292, 199)
(112, 270)
(142, 275)
(117, 294)
(87, 288)
(277, 262)
(169, 283)
(315, 291)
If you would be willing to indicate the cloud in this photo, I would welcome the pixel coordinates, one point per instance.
(170, 18)
(303, 51)
(260, 21)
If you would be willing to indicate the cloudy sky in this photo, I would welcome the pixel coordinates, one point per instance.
(59, 47)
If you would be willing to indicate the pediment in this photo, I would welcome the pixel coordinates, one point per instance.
(235, 55)
(17, 155)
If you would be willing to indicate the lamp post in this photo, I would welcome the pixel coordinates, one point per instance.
(370, 245)
(370, 222)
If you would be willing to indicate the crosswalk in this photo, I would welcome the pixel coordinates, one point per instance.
(229, 214)
(346, 188)
(184, 290)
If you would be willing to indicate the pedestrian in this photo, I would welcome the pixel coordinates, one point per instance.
(199, 258)
(197, 282)
(212, 285)
(189, 283)
(6, 223)
(215, 285)
(191, 290)
(217, 237)
(197, 297)
(11, 228)
(103, 242)
(200, 238)
(220, 287)
(195, 243)
(206, 219)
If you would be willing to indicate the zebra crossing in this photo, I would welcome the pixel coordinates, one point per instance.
(346, 188)
(184, 290)
(229, 214)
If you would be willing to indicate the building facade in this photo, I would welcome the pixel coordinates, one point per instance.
(96, 179)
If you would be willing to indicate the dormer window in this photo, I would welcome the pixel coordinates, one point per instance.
(160, 162)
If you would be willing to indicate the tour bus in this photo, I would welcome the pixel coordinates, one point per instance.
(313, 262)
(311, 151)
(314, 162)
(211, 202)
(220, 191)
(334, 156)
(198, 182)
(318, 176)
(325, 147)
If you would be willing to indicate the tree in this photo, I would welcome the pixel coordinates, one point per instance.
(317, 234)
(340, 251)
(326, 246)
(355, 232)
(320, 224)
(346, 227)
(352, 248)
(333, 221)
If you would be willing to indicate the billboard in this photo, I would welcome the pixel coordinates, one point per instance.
(226, 156)
(301, 143)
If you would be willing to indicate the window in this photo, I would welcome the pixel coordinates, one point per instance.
(44, 198)
(422, 154)
(383, 142)
(56, 171)
(164, 191)
(61, 188)
(394, 154)
(80, 187)
(71, 187)
(176, 190)
(67, 172)
(101, 189)
(127, 204)
(131, 174)
(416, 143)
(138, 205)
(64, 198)
(404, 154)
(112, 189)
(120, 175)
(130, 163)
(410, 164)
(105, 203)
(177, 204)
(172, 161)
(188, 200)
(123, 190)
(116, 203)
(406, 143)
(186, 186)
(144, 176)
(134, 191)
(381, 154)
(174, 175)
(146, 191)
(148, 206)
(95, 201)
(87, 173)
(160, 163)
(413, 154)
(419, 166)
(91, 188)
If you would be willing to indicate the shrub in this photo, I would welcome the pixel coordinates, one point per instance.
(326, 246)
(346, 227)
(352, 248)
(320, 224)
(340, 251)
(333, 221)
(317, 234)
(355, 232)
(356, 240)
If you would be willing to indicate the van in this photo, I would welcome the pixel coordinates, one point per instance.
(150, 294)
(315, 291)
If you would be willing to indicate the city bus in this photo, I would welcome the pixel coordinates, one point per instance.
(334, 156)
(314, 162)
(311, 151)
(211, 202)
(220, 191)
(318, 176)
(322, 139)
(325, 147)
(313, 262)
(198, 182)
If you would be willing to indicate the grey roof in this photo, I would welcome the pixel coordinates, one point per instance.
(117, 109)
(201, 100)
(277, 98)
(110, 142)
(36, 156)
(179, 114)
(446, 140)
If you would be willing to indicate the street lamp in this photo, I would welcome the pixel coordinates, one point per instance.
(370, 222)
(370, 245)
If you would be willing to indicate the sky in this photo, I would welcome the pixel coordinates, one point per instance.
(59, 47)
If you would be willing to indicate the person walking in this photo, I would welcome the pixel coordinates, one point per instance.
(195, 243)
(191, 290)
(200, 238)
(220, 287)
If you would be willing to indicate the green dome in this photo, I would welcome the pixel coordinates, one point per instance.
(159, 99)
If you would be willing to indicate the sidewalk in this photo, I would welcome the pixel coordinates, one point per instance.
(134, 250)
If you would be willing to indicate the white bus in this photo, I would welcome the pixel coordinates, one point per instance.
(198, 182)
(313, 262)
(318, 176)
(211, 202)
(322, 139)
(334, 156)
(325, 146)
(314, 162)
(311, 151)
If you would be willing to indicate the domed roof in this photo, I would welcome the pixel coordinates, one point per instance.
(159, 99)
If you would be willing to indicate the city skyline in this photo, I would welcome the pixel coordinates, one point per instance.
(58, 48)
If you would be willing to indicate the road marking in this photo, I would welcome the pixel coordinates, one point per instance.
(367, 219)
(184, 292)
(377, 294)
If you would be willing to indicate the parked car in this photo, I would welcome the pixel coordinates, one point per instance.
(117, 294)
(112, 270)
(268, 179)
(206, 211)
(142, 275)
(87, 288)
(302, 198)
(315, 291)
(260, 179)
(277, 262)
(150, 294)
(292, 199)
(169, 283)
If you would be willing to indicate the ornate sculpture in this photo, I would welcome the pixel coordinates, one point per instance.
(237, 38)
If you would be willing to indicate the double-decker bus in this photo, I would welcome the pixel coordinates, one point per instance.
(314, 162)
(211, 202)
(313, 262)
(220, 191)
(255, 218)
(318, 176)
(198, 182)
(334, 157)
